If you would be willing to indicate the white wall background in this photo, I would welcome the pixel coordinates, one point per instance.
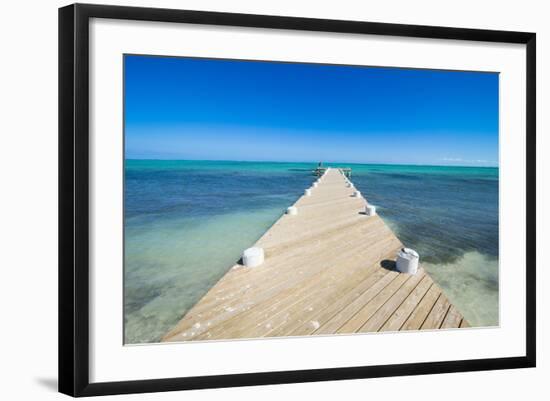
(28, 200)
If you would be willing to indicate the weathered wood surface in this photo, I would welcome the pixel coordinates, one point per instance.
(329, 269)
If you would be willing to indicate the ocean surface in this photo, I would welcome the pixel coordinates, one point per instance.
(187, 222)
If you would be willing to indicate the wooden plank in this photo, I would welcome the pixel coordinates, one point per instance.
(380, 317)
(419, 314)
(359, 296)
(352, 308)
(396, 321)
(437, 314)
(359, 319)
(453, 319)
(313, 308)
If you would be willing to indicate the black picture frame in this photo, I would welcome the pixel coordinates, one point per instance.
(74, 198)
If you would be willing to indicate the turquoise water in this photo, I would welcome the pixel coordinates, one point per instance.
(187, 222)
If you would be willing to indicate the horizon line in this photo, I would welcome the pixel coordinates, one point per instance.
(314, 162)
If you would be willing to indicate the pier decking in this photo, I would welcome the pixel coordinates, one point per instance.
(329, 269)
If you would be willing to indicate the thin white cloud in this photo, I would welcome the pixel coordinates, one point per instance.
(471, 161)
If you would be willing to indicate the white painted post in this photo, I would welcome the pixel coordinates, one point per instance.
(407, 261)
(292, 210)
(307, 192)
(253, 257)
(357, 194)
(370, 210)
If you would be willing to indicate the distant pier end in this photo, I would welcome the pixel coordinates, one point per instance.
(319, 171)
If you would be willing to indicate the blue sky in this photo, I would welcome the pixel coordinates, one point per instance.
(185, 108)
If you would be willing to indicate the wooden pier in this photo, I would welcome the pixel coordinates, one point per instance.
(329, 269)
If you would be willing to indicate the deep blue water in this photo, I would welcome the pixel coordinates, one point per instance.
(187, 222)
(442, 211)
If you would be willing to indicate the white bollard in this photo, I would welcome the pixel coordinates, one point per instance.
(253, 257)
(350, 185)
(407, 261)
(370, 210)
(307, 192)
(357, 194)
(315, 185)
(292, 210)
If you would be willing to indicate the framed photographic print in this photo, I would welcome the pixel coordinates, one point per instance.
(250, 199)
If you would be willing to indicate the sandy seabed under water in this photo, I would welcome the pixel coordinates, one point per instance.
(471, 284)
